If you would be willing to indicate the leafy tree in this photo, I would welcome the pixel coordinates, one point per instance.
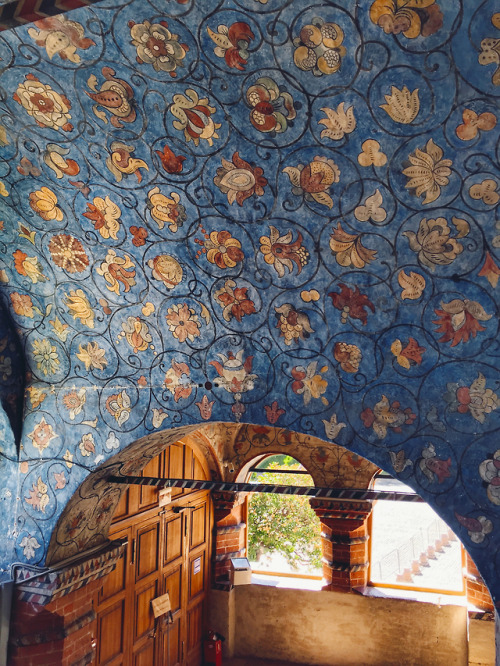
(283, 524)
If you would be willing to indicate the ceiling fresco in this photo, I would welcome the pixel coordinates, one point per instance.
(253, 211)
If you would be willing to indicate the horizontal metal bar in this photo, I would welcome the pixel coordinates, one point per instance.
(353, 494)
(261, 470)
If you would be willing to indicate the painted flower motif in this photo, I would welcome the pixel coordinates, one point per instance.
(29, 544)
(272, 108)
(183, 322)
(177, 380)
(293, 325)
(44, 203)
(115, 270)
(46, 106)
(60, 479)
(157, 46)
(234, 301)
(121, 163)
(114, 95)
(235, 372)
(68, 253)
(473, 123)
(22, 304)
(220, 248)
(205, 406)
(490, 54)
(105, 215)
(338, 122)
(167, 269)
(60, 329)
(349, 356)
(27, 168)
(46, 356)
(280, 252)
(476, 399)
(428, 172)
(42, 434)
(414, 18)
(348, 249)
(402, 105)
(38, 496)
(92, 356)
(318, 48)
(136, 333)
(409, 354)
(58, 35)
(29, 267)
(490, 270)
(434, 243)
(159, 415)
(87, 445)
(54, 158)
(333, 426)
(139, 235)
(314, 180)
(171, 162)
(232, 43)
(166, 210)
(386, 415)
(118, 405)
(239, 180)
(489, 471)
(351, 303)
(68, 459)
(459, 319)
(79, 306)
(194, 117)
(36, 395)
(74, 401)
(308, 383)
(432, 467)
(273, 412)
(477, 528)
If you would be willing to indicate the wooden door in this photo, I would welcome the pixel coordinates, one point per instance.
(185, 574)
(165, 552)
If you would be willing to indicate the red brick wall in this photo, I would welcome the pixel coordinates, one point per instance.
(477, 592)
(58, 634)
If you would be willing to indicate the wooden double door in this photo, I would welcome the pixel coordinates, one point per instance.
(168, 551)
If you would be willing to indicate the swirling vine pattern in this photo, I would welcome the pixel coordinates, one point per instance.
(262, 212)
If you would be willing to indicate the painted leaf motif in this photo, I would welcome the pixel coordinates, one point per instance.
(413, 285)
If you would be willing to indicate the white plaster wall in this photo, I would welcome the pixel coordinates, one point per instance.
(330, 629)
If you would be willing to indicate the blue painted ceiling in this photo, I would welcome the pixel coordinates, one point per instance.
(254, 211)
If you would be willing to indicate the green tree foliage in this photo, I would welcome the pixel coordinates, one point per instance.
(284, 524)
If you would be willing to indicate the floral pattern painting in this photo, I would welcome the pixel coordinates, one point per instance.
(260, 212)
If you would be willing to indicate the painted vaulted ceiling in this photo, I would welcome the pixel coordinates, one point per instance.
(253, 211)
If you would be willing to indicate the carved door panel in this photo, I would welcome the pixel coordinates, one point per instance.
(185, 575)
(146, 588)
(112, 603)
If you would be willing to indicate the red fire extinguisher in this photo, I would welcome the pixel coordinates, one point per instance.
(213, 649)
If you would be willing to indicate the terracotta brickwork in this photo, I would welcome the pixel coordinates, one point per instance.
(59, 634)
(53, 621)
(344, 538)
(477, 592)
(230, 538)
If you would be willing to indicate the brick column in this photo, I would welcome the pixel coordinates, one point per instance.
(477, 592)
(344, 538)
(229, 526)
(53, 619)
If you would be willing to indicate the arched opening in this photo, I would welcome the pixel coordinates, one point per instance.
(283, 531)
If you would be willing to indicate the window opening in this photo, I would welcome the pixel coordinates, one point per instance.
(283, 533)
(411, 546)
